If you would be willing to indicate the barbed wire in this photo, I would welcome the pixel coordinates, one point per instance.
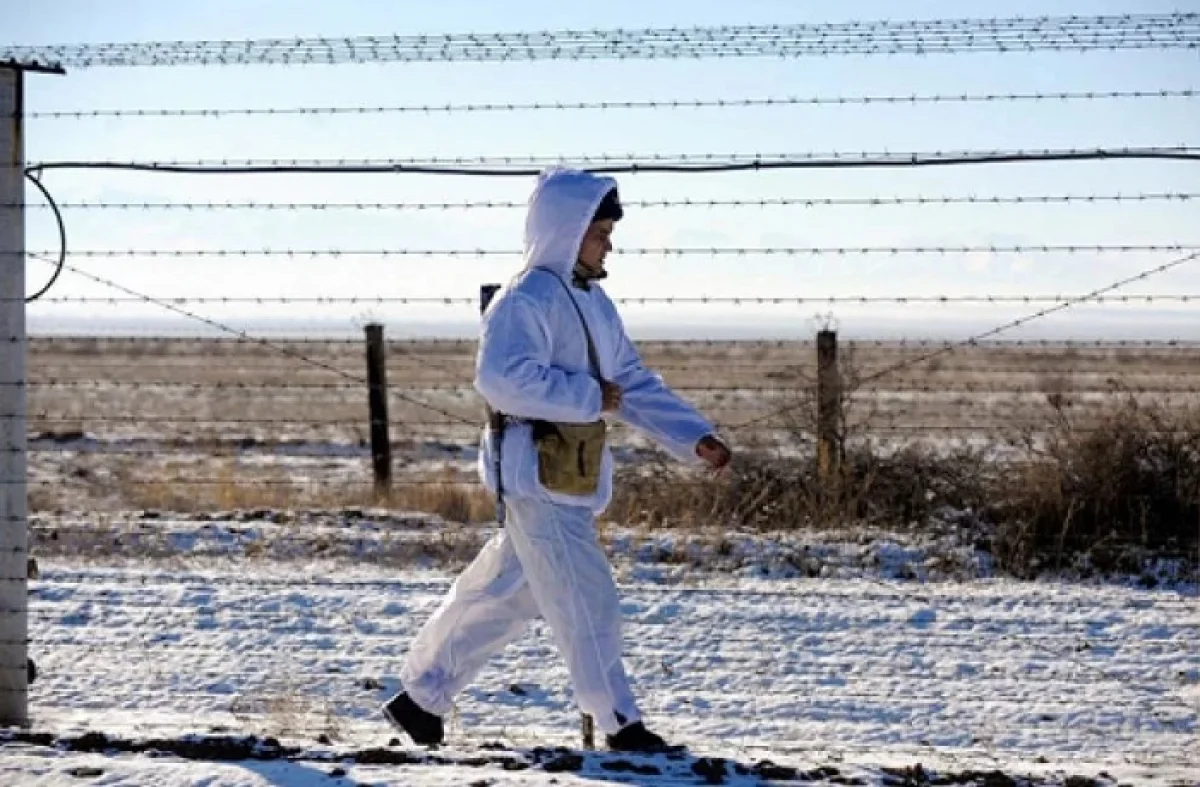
(465, 345)
(415, 364)
(888, 419)
(949, 348)
(181, 420)
(871, 592)
(753, 655)
(713, 251)
(538, 106)
(1014, 34)
(283, 455)
(267, 343)
(814, 688)
(682, 300)
(134, 527)
(886, 408)
(1064, 304)
(910, 386)
(682, 163)
(805, 202)
(770, 368)
(287, 615)
(213, 445)
(749, 656)
(291, 475)
(793, 370)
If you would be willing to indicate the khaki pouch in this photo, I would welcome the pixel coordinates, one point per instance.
(569, 455)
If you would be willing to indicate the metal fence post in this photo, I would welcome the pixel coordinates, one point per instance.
(14, 524)
(381, 444)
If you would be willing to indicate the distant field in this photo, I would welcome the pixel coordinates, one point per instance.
(111, 411)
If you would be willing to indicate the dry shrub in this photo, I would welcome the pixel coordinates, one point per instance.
(468, 503)
(1125, 483)
(763, 492)
(870, 484)
(1106, 494)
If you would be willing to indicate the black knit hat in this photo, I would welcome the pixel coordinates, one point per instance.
(610, 207)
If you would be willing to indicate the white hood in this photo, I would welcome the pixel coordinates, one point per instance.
(560, 210)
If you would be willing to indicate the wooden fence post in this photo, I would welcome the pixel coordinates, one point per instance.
(829, 393)
(486, 293)
(381, 444)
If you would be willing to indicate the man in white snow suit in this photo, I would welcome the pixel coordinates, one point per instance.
(553, 361)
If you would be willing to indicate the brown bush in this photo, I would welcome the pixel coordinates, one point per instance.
(1125, 483)
(1117, 489)
(870, 484)
(762, 492)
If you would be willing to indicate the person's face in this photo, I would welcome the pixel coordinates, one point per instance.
(597, 243)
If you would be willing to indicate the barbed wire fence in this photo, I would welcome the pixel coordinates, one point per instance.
(250, 427)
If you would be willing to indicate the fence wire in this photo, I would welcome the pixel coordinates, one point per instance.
(924, 37)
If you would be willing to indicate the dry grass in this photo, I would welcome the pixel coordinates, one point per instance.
(467, 503)
(231, 488)
(288, 711)
(1113, 493)
(234, 489)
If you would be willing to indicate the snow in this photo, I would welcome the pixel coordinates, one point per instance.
(878, 662)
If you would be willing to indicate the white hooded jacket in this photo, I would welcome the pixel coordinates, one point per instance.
(533, 358)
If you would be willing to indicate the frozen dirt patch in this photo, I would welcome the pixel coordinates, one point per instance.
(245, 760)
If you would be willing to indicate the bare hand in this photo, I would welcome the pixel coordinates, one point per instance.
(611, 398)
(714, 452)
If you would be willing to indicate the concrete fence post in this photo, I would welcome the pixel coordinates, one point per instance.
(14, 524)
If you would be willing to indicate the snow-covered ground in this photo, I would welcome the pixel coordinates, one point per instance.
(858, 673)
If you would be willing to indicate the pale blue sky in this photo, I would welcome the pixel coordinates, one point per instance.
(778, 129)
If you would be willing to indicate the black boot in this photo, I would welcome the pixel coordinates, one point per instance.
(636, 738)
(419, 724)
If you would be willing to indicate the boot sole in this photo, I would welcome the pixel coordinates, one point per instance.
(387, 714)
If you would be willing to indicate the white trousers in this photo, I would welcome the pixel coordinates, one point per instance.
(547, 561)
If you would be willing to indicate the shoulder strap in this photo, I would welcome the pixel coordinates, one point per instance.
(592, 358)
